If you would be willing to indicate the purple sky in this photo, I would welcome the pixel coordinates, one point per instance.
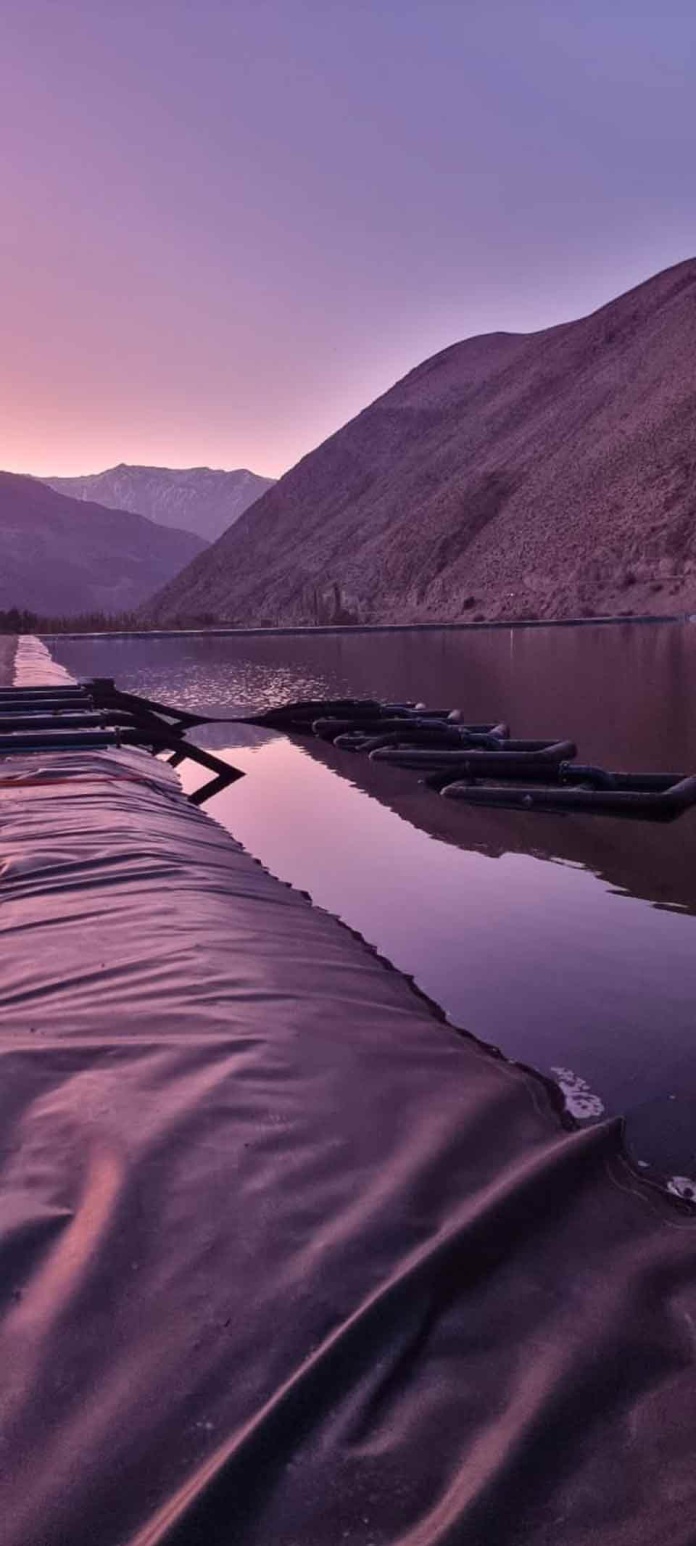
(229, 224)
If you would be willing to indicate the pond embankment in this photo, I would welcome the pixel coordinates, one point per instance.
(8, 645)
(280, 1244)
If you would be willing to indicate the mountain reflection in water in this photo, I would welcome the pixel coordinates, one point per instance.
(567, 941)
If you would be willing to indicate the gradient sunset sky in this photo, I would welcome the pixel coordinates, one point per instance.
(229, 224)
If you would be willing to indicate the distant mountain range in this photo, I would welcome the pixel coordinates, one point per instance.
(61, 556)
(546, 475)
(198, 499)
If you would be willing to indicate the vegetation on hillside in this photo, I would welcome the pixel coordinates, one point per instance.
(20, 620)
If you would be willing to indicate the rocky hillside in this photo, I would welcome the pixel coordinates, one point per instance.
(199, 499)
(546, 475)
(61, 556)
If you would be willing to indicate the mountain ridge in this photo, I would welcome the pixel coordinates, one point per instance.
(544, 474)
(204, 500)
(61, 556)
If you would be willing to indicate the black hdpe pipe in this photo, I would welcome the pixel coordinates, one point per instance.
(360, 742)
(476, 763)
(414, 730)
(43, 705)
(328, 719)
(600, 778)
(424, 732)
(64, 739)
(657, 805)
(49, 690)
(283, 717)
(157, 739)
(70, 719)
(572, 773)
(107, 696)
(293, 715)
(448, 738)
(322, 716)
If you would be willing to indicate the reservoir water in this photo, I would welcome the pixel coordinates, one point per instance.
(568, 942)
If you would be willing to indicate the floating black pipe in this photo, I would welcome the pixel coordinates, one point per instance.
(48, 690)
(476, 763)
(23, 705)
(300, 715)
(457, 756)
(654, 805)
(600, 778)
(66, 739)
(107, 696)
(70, 719)
(411, 731)
(427, 732)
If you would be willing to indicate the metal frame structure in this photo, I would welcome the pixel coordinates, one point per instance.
(94, 714)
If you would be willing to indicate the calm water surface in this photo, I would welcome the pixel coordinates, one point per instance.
(570, 942)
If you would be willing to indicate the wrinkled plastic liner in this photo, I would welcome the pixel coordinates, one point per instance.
(285, 1258)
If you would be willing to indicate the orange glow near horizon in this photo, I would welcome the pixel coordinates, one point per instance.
(190, 280)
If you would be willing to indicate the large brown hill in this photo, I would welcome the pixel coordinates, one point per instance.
(550, 474)
(61, 556)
